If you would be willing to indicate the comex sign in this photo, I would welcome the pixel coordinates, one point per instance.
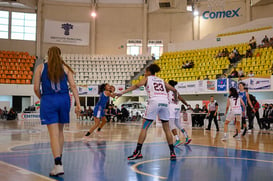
(221, 14)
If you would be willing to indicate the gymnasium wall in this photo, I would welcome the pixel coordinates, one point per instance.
(116, 23)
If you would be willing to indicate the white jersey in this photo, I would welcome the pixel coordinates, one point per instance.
(235, 104)
(171, 98)
(156, 88)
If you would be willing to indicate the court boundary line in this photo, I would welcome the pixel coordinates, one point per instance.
(136, 170)
(28, 171)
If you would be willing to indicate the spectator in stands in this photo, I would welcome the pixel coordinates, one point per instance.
(124, 114)
(184, 65)
(90, 112)
(241, 72)
(271, 42)
(188, 64)
(5, 113)
(196, 117)
(110, 113)
(252, 43)
(265, 40)
(265, 116)
(11, 114)
(251, 74)
(234, 56)
(203, 116)
(219, 55)
(118, 113)
(248, 53)
(234, 74)
(206, 78)
(191, 64)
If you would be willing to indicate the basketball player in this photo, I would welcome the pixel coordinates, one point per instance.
(234, 106)
(99, 110)
(55, 101)
(175, 115)
(157, 105)
(112, 90)
(245, 97)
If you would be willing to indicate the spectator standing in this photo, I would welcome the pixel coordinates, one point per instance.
(203, 116)
(251, 74)
(124, 113)
(212, 114)
(206, 78)
(241, 72)
(11, 114)
(90, 112)
(252, 43)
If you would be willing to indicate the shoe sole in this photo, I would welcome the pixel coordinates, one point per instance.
(188, 142)
(51, 175)
(135, 158)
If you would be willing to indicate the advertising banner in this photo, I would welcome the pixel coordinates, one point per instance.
(222, 85)
(211, 85)
(63, 32)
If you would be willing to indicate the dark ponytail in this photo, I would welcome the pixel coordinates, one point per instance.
(101, 88)
(153, 68)
(172, 83)
(233, 93)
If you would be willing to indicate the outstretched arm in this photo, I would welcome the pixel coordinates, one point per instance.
(141, 83)
(182, 100)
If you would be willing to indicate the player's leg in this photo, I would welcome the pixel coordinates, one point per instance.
(225, 137)
(178, 125)
(53, 130)
(238, 121)
(103, 122)
(174, 131)
(141, 138)
(93, 128)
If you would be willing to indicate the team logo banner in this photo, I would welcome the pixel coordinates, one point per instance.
(257, 83)
(141, 90)
(233, 82)
(62, 32)
(222, 85)
(211, 85)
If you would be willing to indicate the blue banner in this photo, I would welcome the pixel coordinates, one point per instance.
(221, 84)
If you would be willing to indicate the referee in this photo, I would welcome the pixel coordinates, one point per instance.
(212, 114)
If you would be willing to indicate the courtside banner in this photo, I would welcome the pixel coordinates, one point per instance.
(119, 88)
(258, 83)
(63, 32)
(141, 90)
(221, 84)
(211, 85)
(92, 90)
(181, 87)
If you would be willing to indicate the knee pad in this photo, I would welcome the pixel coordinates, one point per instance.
(147, 124)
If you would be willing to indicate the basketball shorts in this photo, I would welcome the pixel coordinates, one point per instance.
(157, 107)
(99, 112)
(174, 111)
(232, 115)
(55, 108)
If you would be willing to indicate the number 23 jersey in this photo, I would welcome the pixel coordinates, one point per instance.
(156, 88)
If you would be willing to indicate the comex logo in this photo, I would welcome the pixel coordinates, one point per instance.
(221, 14)
(67, 27)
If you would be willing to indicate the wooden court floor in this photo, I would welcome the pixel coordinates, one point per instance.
(25, 154)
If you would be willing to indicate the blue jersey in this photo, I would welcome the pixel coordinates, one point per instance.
(243, 97)
(102, 101)
(49, 87)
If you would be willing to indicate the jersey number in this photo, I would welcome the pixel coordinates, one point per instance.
(159, 87)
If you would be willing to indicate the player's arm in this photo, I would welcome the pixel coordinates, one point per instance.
(37, 80)
(134, 87)
(243, 104)
(227, 107)
(249, 102)
(74, 90)
(182, 100)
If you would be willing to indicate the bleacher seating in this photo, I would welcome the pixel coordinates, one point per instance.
(204, 60)
(244, 31)
(97, 69)
(16, 67)
(260, 63)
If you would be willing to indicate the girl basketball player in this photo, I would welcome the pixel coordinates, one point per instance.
(112, 90)
(245, 97)
(175, 115)
(99, 110)
(157, 105)
(234, 106)
(55, 101)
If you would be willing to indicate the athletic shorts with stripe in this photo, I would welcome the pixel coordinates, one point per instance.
(157, 107)
(99, 112)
